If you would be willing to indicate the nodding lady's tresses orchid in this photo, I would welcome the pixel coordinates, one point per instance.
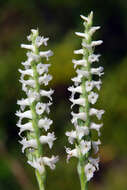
(33, 120)
(85, 86)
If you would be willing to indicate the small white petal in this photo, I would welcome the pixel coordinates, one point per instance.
(29, 82)
(97, 113)
(95, 162)
(87, 19)
(96, 127)
(74, 90)
(93, 29)
(37, 164)
(27, 46)
(42, 68)
(81, 131)
(28, 143)
(85, 146)
(89, 85)
(45, 79)
(80, 51)
(23, 103)
(48, 139)
(41, 40)
(97, 84)
(47, 93)
(81, 62)
(95, 145)
(79, 101)
(96, 43)
(26, 72)
(45, 123)
(33, 95)
(84, 18)
(82, 35)
(25, 127)
(71, 153)
(82, 73)
(34, 31)
(89, 171)
(77, 80)
(97, 71)
(86, 45)
(92, 97)
(76, 116)
(32, 56)
(71, 136)
(26, 64)
(50, 161)
(46, 54)
(93, 58)
(40, 108)
(26, 114)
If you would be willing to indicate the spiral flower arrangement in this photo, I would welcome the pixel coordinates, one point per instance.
(34, 109)
(85, 87)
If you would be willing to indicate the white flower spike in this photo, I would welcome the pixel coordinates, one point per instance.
(33, 113)
(83, 89)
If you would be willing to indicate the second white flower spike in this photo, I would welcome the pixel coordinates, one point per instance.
(84, 88)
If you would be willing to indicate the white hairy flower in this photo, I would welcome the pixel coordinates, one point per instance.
(79, 51)
(78, 133)
(83, 35)
(76, 116)
(45, 123)
(47, 93)
(97, 113)
(25, 127)
(37, 164)
(48, 139)
(42, 68)
(92, 97)
(46, 54)
(93, 58)
(40, 108)
(71, 153)
(79, 101)
(40, 41)
(95, 162)
(81, 131)
(81, 62)
(77, 80)
(74, 90)
(45, 79)
(71, 136)
(28, 144)
(97, 71)
(50, 161)
(26, 114)
(93, 29)
(96, 127)
(95, 145)
(85, 146)
(89, 171)
(32, 56)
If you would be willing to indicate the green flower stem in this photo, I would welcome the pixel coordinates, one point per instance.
(82, 177)
(81, 172)
(40, 180)
(35, 119)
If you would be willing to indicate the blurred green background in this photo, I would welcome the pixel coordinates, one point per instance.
(59, 19)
